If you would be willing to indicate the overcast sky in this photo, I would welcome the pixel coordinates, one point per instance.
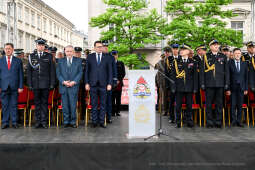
(74, 10)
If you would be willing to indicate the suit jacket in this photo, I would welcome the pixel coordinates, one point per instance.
(64, 75)
(99, 74)
(12, 77)
(235, 77)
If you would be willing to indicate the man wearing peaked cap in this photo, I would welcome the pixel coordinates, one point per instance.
(213, 41)
(185, 83)
(20, 54)
(214, 80)
(250, 52)
(169, 61)
(53, 51)
(116, 94)
(82, 94)
(41, 78)
(198, 59)
(226, 51)
(114, 75)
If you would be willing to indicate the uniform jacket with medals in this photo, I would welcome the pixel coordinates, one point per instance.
(41, 73)
(215, 71)
(169, 62)
(185, 75)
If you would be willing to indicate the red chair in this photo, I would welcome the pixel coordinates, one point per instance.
(251, 104)
(60, 107)
(23, 102)
(203, 106)
(195, 107)
(228, 106)
(50, 105)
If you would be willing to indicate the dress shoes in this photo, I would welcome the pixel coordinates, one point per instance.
(5, 126)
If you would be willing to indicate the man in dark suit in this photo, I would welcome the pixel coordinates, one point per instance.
(41, 77)
(114, 76)
(11, 83)
(238, 86)
(69, 74)
(98, 79)
(116, 95)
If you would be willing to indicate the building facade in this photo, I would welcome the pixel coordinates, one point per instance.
(242, 22)
(36, 19)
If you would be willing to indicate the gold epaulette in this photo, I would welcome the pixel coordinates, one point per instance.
(178, 73)
(167, 63)
(209, 68)
(252, 61)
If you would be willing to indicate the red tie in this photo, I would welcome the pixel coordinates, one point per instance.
(9, 63)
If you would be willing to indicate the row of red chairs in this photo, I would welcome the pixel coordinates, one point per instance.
(26, 104)
(202, 107)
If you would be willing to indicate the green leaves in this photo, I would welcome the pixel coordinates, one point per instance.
(197, 22)
(133, 27)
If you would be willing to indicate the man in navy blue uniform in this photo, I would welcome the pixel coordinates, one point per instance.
(114, 75)
(98, 80)
(238, 70)
(11, 83)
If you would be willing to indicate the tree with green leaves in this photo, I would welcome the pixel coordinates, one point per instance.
(134, 27)
(197, 22)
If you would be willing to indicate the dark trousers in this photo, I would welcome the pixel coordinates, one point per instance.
(109, 105)
(179, 102)
(95, 93)
(69, 101)
(9, 106)
(237, 97)
(41, 105)
(214, 94)
(171, 106)
(116, 101)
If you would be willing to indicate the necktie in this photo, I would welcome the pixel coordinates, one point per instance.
(69, 62)
(98, 59)
(238, 67)
(9, 63)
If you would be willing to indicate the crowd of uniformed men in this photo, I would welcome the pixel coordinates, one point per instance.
(68, 74)
(220, 81)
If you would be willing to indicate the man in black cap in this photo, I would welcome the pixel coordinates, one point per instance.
(82, 94)
(168, 70)
(114, 72)
(41, 77)
(250, 52)
(20, 54)
(117, 91)
(198, 59)
(214, 80)
(53, 52)
(185, 78)
(226, 51)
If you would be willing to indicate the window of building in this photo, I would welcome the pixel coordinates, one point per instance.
(27, 15)
(44, 25)
(39, 22)
(28, 42)
(50, 25)
(237, 26)
(20, 39)
(33, 18)
(19, 12)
